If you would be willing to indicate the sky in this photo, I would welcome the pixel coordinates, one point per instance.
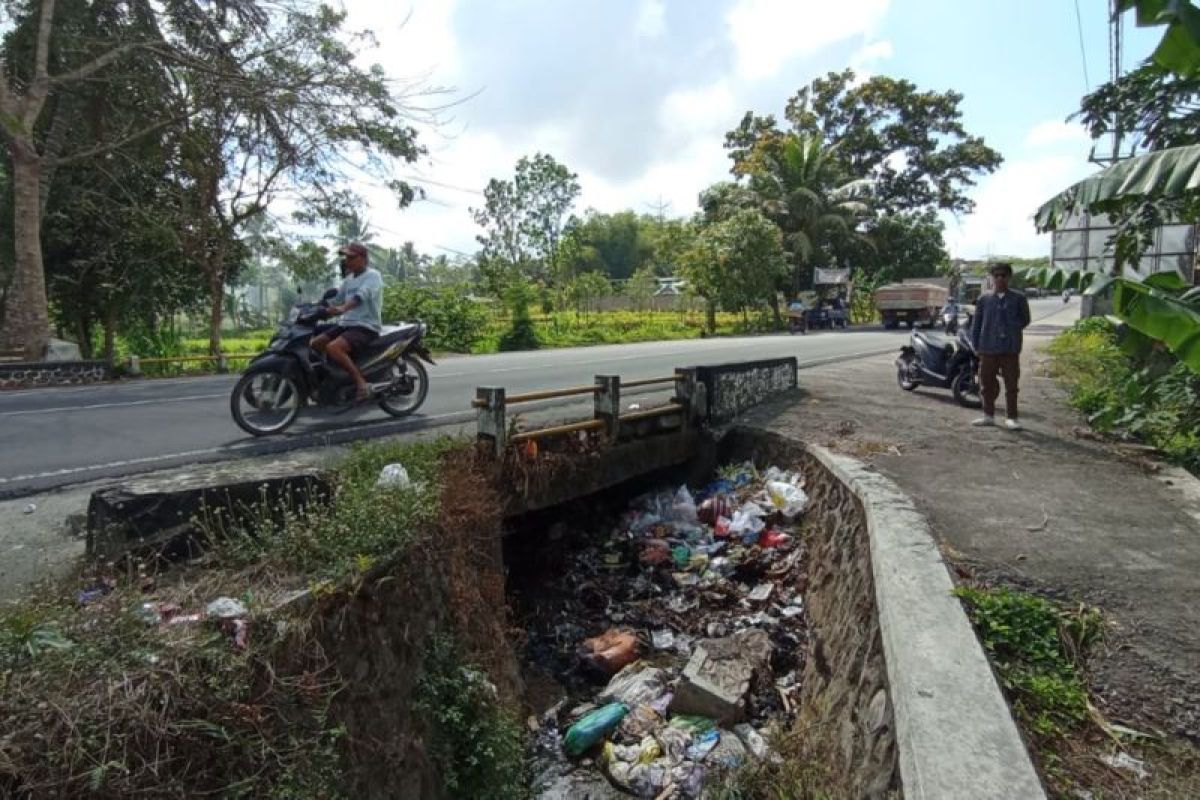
(636, 95)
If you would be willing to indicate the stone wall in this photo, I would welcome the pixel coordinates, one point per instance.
(24, 375)
(733, 389)
(845, 711)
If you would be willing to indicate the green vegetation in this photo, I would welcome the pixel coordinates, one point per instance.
(1128, 389)
(455, 319)
(477, 745)
(98, 703)
(1038, 651)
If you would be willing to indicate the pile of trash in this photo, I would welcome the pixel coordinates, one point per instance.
(678, 637)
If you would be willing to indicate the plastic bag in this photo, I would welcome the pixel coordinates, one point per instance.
(636, 684)
(610, 652)
(393, 476)
(593, 728)
(787, 499)
(746, 523)
(683, 508)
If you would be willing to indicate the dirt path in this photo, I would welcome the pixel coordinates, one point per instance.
(1044, 509)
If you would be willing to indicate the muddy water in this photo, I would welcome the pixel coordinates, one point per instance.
(659, 565)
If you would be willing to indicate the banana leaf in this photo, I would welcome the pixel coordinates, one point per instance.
(1170, 173)
(1160, 316)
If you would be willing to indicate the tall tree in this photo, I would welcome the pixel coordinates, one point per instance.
(49, 53)
(524, 220)
(911, 143)
(1153, 108)
(801, 186)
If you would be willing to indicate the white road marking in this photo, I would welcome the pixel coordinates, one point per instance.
(188, 453)
(185, 399)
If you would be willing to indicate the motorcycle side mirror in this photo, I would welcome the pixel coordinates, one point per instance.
(329, 294)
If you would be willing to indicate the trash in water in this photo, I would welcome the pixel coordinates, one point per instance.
(393, 476)
(591, 730)
(226, 608)
(30, 508)
(701, 584)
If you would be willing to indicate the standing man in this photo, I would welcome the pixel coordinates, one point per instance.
(360, 304)
(996, 331)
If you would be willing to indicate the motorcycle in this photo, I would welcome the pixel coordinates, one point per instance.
(950, 319)
(289, 374)
(932, 359)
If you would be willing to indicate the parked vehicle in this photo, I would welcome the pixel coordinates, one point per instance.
(910, 303)
(797, 318)
(827, 314)
(932, 359)
(279, 381)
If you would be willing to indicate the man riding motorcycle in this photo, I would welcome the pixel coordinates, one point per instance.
(359, 302)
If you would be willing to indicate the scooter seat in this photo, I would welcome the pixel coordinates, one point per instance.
(934, 339)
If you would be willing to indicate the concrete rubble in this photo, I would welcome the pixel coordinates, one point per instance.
(677, 638)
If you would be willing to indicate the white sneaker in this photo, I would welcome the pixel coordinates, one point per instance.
(984, 422)
(1013, 425)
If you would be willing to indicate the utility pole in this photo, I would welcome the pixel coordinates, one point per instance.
(661, 208)
(1116, 48)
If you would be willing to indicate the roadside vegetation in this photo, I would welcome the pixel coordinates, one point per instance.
(1040, 651)
(121, 692)
(1128, 390)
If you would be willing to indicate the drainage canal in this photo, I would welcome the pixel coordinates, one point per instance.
(665, 632)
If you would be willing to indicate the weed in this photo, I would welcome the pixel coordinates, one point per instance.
(1037, 650)
(477, 745)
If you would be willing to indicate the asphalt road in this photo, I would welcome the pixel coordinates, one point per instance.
(56, 437)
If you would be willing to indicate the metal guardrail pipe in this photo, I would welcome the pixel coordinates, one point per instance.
(556, 430)
(650, 382)
(660, 411)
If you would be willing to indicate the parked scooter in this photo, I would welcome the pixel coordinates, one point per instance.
(931, 359)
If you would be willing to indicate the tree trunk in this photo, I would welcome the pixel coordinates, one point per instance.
(710, 315)
(216, 309)
(110, 335)
(26, 316)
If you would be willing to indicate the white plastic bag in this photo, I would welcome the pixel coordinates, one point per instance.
(787, 499)
(393, 476)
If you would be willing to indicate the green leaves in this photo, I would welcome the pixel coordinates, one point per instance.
(1159, 315)
(1170, 173)
(1179, 49)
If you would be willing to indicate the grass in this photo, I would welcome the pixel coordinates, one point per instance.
(98, 703)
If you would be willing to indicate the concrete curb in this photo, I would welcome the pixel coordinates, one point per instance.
(955, 735)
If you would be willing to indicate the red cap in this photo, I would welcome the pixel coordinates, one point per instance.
(353, 249)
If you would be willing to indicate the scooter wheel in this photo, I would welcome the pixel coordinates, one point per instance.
(966, 389)
(902, 379)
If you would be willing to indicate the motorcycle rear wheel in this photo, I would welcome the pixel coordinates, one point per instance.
(966, 388)
(402, 405)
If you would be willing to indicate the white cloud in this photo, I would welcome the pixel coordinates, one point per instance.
(1057, 132)
(1005, 202)
(416, 37)
(767, 34)
(698, 111)
(651, 19)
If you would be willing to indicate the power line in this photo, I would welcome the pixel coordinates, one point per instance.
(1087, 83)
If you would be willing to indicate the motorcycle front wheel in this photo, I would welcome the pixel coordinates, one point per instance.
(966, 388)
(413, 386)
(903, 371)
(265, 403)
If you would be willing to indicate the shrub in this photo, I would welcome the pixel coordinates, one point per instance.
(521, 335)
(456, 321)
(1036, 649)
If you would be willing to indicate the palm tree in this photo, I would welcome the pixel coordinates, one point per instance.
(800, 187)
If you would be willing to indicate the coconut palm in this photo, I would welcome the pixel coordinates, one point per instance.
(801, 187)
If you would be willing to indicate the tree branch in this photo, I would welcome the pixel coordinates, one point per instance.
(108, 147)
(95, 65)
(42, 56)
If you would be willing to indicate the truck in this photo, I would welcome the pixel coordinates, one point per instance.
(910, 303)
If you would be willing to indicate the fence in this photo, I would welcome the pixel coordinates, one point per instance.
(715, 394)
(134, 364)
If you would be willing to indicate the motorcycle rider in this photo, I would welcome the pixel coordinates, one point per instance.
(997, 329)
(359, 302)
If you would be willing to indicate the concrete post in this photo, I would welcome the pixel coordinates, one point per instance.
(222, 364)
(689, 392)
(135, 366)
(493, 425)
(608, 404)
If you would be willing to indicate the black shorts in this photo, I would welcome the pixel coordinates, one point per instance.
(356, 336)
